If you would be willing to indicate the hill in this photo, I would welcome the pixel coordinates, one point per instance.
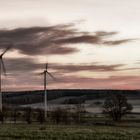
(30, 97)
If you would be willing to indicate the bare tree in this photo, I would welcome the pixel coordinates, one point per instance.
(79, 110)
(117, 106)
(1, 117)
(14, 115)
(28, 112)
(61, 115)
(3, 114)
(57, 115)
(40, 116)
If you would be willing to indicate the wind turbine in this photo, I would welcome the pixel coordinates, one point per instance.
(2, 67)
(46, 73)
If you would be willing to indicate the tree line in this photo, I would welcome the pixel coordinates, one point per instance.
(115, 106)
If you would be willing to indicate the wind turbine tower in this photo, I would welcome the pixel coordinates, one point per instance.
(2, 68)
(46, 74)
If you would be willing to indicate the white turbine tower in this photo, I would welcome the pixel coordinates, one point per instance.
(46, 73)
(2, 68)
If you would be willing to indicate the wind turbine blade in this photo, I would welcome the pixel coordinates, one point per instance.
(3, 66)
(51, 75)
(41, 73)
(5, 51)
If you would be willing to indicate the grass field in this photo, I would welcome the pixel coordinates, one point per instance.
(67, 132)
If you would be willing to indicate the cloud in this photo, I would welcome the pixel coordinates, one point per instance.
(104, 33)
(30, 65)
(117, 42)
(53, 39)
(85, 67)
(80, 39)
(22, 65)
(112, 82)
(22, 75)
(37, 40)
(71, 82)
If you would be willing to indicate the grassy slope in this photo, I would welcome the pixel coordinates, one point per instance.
(40, 132)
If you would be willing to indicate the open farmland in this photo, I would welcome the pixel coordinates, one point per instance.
(67, 132)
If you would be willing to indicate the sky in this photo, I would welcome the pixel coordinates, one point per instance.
(89, 44)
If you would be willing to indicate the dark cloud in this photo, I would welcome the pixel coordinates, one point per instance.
(117, 42)
(80, 39)
(84, 67)
(22, 65)
(30, 65)
(52, 39)
(37, 40)
(106, 34)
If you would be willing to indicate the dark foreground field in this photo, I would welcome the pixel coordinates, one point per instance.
(67, 132)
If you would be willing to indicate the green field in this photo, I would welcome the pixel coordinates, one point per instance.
(67, 132)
